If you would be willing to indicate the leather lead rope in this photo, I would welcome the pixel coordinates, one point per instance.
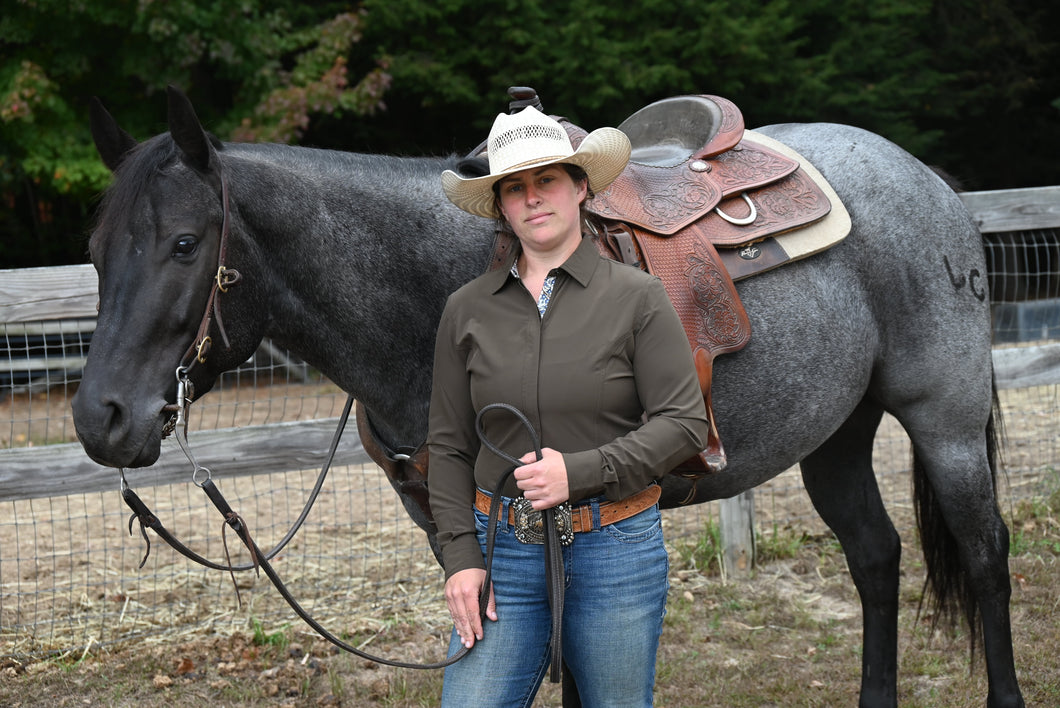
(239, 526)
(555, 575)
(148, 519)
(260, 560)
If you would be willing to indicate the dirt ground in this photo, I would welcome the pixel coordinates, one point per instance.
(788, 636)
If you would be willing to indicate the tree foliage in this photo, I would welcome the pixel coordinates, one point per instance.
(936, 76)
(966, 84)
(256, 70)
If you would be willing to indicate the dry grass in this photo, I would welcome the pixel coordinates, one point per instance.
(789, 636)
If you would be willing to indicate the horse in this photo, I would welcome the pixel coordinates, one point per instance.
(347, 260)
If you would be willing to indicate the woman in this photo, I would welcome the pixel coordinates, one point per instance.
(593, 353)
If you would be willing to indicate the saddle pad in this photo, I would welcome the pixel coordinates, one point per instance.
(790, 246)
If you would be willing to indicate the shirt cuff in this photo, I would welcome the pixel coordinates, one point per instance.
(461, 553)
(587, 476)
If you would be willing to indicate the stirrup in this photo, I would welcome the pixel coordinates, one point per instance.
(713, 455)
(714, 460)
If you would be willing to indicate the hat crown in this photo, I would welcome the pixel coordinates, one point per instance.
(525, 138)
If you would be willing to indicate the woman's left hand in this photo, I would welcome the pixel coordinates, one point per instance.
(544, 481)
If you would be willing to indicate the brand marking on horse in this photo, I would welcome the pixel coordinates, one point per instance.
(973, 280)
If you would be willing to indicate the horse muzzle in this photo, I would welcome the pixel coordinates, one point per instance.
(116, 434)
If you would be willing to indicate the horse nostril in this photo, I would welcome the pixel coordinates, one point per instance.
(114, 418)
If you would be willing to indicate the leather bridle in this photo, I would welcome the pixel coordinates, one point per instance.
(202, 477)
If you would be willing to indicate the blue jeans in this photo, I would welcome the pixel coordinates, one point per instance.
(616, 584)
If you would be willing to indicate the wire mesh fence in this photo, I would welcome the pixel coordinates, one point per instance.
(69, 568)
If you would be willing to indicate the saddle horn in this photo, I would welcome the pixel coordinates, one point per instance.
(523, 96)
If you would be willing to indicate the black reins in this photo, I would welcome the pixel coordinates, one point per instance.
(261, 560)
(554, 572)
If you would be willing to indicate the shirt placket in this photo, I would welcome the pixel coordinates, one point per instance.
(535, 349)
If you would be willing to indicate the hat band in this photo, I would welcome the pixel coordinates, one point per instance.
(530, 163)
(535, 131)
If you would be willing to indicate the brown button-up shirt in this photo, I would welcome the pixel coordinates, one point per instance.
(605, 376)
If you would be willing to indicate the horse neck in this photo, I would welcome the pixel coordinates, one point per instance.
(357, 254)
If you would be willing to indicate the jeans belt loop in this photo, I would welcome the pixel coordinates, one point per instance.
(595, 510)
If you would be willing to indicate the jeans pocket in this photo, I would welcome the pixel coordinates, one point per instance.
(482, 526)
(639, 528)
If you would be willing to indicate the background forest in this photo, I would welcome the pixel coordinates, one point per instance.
(972, 86)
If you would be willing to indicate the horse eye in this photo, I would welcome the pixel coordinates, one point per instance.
(185, 246)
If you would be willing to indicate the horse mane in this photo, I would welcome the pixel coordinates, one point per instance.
(151, 156)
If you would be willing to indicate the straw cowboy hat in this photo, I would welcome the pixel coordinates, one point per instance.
(531, 139)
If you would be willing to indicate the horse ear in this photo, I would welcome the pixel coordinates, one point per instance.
(187, 132)
(112, 143)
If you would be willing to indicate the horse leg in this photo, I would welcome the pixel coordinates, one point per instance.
(966, 545)
(839, 478)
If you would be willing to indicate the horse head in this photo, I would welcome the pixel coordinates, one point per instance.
(157, 248)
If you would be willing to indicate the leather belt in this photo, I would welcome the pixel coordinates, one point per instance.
(582, 514)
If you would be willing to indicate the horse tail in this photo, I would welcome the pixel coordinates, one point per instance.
(949, 593)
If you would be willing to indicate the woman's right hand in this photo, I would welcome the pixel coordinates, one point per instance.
(461, 594)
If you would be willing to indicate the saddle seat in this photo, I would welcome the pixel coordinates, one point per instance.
(670, 132)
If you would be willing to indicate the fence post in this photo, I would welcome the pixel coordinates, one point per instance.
(737, 518)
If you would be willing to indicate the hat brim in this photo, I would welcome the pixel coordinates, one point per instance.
(603, 154)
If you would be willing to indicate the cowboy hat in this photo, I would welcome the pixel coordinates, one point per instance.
(527, 139)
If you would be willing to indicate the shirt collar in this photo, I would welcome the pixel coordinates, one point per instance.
(580, 266)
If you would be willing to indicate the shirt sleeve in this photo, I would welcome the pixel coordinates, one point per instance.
(676, 424)
(453, 446)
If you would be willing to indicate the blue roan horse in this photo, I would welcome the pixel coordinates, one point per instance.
(347, 259)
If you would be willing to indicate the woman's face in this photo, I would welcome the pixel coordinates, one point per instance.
(543, 206)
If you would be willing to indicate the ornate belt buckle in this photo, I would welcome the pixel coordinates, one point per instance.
(530, 524)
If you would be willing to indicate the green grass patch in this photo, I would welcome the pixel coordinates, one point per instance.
(703, 553)
(780, 544)
(1035, 525)
(279, 639)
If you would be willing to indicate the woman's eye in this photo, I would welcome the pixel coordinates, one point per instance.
(185, 246)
